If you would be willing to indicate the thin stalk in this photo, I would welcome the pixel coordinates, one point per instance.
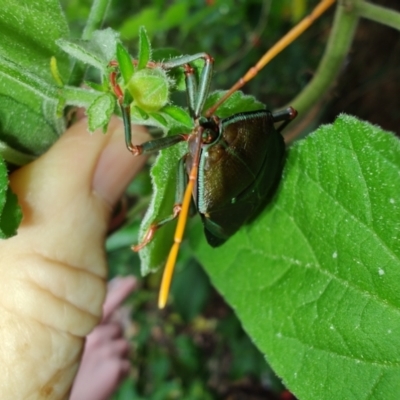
(96, 17)
(78, 97)
(340, 40)
(13, 156)
(95, 21)
(385, 16)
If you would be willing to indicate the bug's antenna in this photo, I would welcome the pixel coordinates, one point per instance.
(293, 34)
(180, 227)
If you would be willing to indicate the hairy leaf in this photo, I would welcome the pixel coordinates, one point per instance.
(29, 118)
(316, 279)
(164, 179)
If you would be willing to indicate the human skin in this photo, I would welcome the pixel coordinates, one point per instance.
(53, 272)
(105, 361)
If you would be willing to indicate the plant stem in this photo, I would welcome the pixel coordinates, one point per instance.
(95, 21)
(13, 156)
(96, 17)
(75, 96)
(379, 14)
(340, 40)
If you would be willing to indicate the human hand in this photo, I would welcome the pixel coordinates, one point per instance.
(52, 273)
(105, 361)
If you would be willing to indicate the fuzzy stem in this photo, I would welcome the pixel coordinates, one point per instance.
(96, 17)
(95, 21)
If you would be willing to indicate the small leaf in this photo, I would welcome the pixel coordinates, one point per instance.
(159, 118)
(105, 41)
(81, 50)
(11, 215)
(179, 115)
(144, 55)
(10, 212)
(100, 112)
(125, 63)
(97, 52)
(137, 114)
(163, 174)
(237, 103)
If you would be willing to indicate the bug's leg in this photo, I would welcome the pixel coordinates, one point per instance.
(147, 147)
(157, 144)
(197, 94)
(287, 115)
(148, 237)
(180, 189)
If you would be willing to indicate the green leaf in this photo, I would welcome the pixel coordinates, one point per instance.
(159, 118)
(144, 55)
(106, 42)
(238, 102)
(10, 212)
(100, 112)
(29, 117)
(315, 279)
(98, 51)
(80, 50)
(28, 131)
(125, 63)
(29, 29)
(163, 174)
(179, 115)
(11, 215)
(139, 116)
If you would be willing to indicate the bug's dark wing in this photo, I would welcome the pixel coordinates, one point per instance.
(242, 177)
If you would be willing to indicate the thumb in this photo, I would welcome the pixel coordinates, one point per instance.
(52, 272)
(67, 195)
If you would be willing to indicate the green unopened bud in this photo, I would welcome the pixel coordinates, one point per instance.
(149, 89)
